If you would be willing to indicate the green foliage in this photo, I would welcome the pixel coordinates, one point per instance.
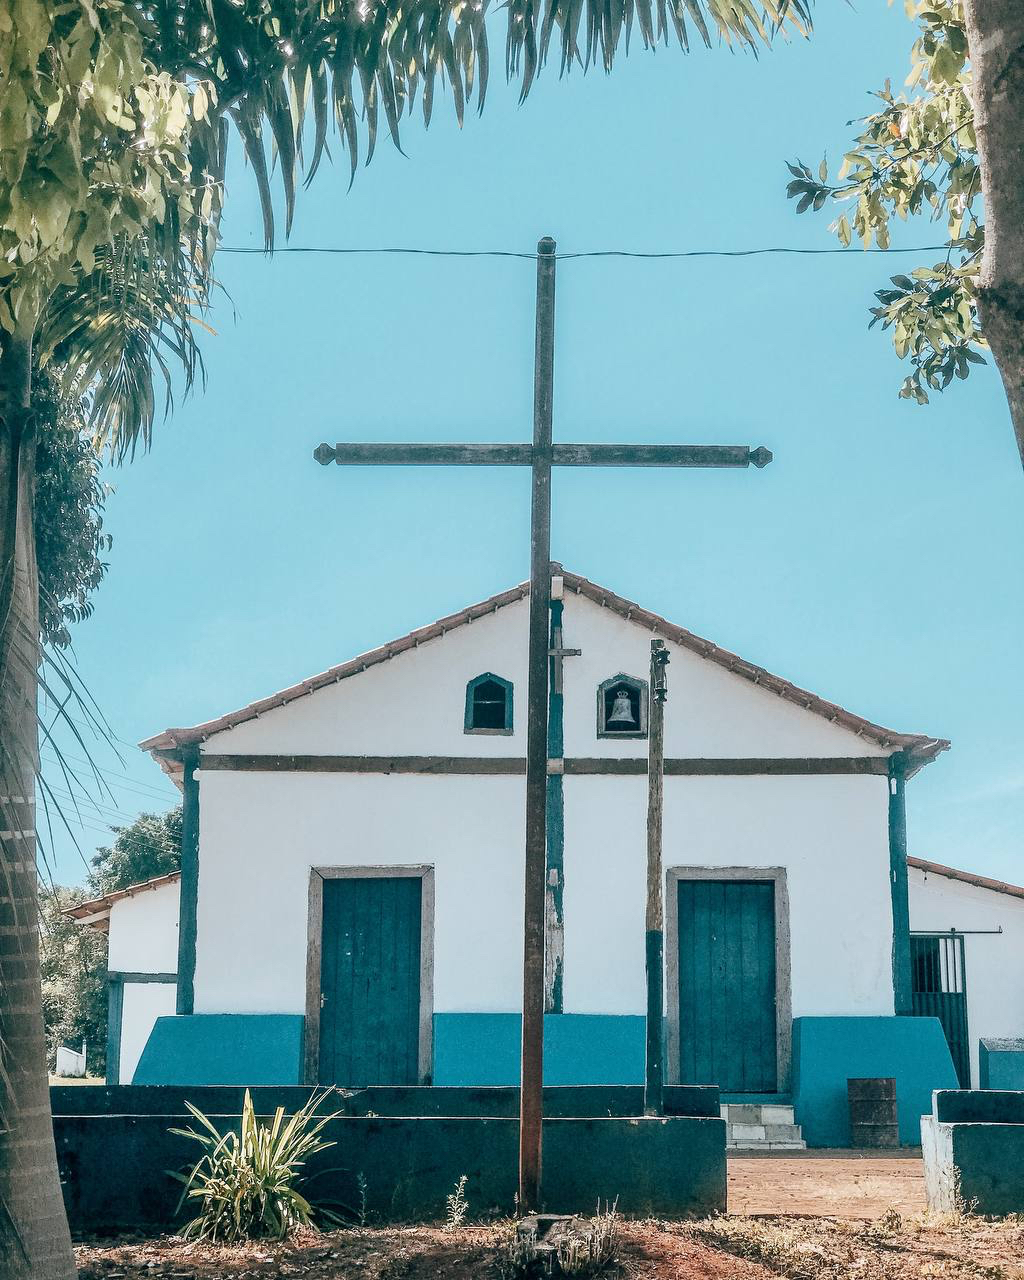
(73, 964)
(917, 155)
(68, 511)
(109, 199)
(73, 956)
(246, 1183)
(148, 847)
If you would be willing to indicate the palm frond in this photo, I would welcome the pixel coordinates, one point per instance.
(117, 331)
(270, 65)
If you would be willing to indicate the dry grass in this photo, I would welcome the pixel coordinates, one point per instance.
(890, 1247)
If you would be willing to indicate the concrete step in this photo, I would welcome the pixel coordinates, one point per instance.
(755, 1126)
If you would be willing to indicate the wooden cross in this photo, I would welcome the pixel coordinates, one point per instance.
(540, 457)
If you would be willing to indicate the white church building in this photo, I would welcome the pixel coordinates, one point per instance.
(350, 904)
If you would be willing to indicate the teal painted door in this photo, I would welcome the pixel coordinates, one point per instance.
(370, 980)
(727, 1031)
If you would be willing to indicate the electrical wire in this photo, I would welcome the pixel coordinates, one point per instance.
(592, 253)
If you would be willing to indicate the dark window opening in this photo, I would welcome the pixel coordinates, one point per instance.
(489, 705)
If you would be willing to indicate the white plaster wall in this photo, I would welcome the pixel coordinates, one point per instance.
(261, 833)
(993, 964)
(143, 934)
(414, 704)
(144, 1002)
(710, 712)
(831, 835)
(259, 836)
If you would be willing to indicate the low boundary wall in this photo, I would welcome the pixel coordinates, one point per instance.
(116, 1152)
(973, 1148)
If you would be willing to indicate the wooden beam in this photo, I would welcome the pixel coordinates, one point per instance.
(123, 975)
(659, 455)
(632, 766)
(366, 454)
(425, 455)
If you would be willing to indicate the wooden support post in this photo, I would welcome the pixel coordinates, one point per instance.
(898, 881)
(531, 1101)
(189, 883)
(654, 1078)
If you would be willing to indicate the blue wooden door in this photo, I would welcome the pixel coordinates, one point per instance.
(727, 1024)
(370, 980)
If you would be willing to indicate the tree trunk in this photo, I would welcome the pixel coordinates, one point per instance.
(995, 36)
(35, 1243)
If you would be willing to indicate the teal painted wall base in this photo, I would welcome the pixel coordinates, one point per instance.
(579, 1048)
(828, 1051)
(223, 1048)
(469, 1049)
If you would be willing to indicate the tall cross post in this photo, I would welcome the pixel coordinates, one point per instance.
(540, 457)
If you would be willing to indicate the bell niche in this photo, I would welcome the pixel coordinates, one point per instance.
(622, 707)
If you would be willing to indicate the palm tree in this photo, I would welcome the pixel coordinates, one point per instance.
(119, 314)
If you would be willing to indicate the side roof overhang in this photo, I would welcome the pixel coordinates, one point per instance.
(966, 877)
(96, 912)
(919, 749)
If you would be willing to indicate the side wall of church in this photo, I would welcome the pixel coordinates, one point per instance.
(993, 975)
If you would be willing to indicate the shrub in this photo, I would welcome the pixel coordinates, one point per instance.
(246, 1183)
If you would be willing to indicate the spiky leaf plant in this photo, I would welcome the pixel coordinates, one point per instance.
(246, 1184)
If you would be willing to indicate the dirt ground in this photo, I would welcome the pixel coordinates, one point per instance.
(833, 1216)
(838, 1184)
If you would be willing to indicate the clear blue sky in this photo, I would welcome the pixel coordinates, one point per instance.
(875, 562)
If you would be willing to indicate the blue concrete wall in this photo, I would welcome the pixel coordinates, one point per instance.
(469, 1049)
(223, 1048)
(1001, 1064)
(579, 1048)
(828, 1051)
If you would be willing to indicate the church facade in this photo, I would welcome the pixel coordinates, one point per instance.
(350, 906)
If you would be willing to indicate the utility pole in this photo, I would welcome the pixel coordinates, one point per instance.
(654, 1076)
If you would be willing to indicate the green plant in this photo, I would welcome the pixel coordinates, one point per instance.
(246, 1183)
(458, 1206)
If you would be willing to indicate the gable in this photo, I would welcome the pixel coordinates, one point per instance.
(408, 697)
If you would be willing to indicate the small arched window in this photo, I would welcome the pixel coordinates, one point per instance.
(489, 704)
(622, 707)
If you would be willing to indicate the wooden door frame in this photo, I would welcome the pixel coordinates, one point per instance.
(314, 942)
(783, 963)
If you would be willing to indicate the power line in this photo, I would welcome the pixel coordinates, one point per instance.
(592, 253)
(121, 780)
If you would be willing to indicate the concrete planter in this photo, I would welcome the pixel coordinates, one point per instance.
(115, 1164)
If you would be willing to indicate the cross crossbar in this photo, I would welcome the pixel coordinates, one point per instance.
(562, 455)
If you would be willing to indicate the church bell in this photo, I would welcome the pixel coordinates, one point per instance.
(622, 713)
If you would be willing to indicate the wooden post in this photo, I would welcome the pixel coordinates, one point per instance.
(901, 976)
(531, 1101)
(189, 884)
(654, 1078)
